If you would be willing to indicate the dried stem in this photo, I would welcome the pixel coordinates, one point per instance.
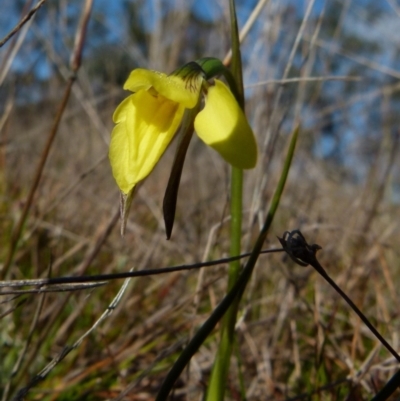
(75, 64)
(22, 22)
(123, 275)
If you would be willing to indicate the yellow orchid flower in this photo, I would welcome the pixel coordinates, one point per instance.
(147, 120)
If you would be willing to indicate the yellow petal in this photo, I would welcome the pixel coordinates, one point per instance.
(223, 126)
(120, 112)
(185, 92)
(146, 125)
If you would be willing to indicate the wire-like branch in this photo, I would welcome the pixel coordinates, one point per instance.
(115, 276)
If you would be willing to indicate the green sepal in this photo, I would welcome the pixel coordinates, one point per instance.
(188, 71)
(213, 67)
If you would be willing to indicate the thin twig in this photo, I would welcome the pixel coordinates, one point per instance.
(356, 58)
(80, 36)
(28, 203)
(74, 65)
(123, 275)
(22, 22)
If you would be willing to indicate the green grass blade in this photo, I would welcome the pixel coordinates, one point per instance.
(219, 374)
(236, 63)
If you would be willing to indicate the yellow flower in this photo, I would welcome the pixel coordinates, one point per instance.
(147, 120)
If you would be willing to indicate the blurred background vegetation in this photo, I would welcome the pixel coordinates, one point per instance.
(331, 65)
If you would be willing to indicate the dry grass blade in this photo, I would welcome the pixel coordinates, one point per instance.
(303, 79)
(18, 229)
(67, 349)
(12, 309)
(55, 288)
(23, 352)
(75, 64)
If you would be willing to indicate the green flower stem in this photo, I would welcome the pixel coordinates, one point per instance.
(220, 371)
(236, 223)
(234, 77)
(219, 375)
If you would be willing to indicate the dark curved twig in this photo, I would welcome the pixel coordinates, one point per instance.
(123, 275)
(304, 254)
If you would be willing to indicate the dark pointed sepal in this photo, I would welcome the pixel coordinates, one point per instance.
(171, 192)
